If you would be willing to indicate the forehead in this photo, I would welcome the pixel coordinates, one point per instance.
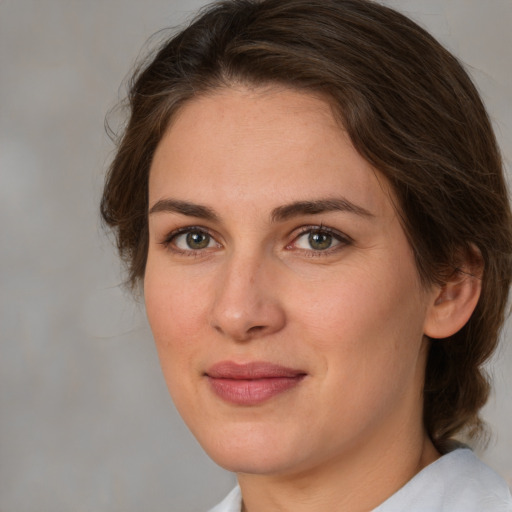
(241, 143)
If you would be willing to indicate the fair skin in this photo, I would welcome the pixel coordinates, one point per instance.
(272, 241)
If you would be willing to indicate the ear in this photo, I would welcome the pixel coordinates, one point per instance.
(453, 303)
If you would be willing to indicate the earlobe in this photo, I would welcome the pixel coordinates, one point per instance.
(454, 302)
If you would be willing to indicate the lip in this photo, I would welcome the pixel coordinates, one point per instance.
(251, 383)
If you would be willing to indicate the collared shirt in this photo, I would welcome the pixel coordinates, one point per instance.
(456, 482)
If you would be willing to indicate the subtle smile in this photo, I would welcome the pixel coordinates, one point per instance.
(251, 383)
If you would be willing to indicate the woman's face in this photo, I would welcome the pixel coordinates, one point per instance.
(280, 287)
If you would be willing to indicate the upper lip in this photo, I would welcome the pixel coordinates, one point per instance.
(251, 371)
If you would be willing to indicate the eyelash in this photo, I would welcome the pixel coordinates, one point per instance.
(342, 239)
(170, 239)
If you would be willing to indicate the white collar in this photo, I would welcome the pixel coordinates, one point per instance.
(456, 482)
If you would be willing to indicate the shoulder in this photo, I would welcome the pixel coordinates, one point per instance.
(457, 482)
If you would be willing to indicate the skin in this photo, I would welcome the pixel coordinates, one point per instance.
(352, 317)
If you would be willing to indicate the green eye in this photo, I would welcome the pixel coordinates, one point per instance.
(191, 240)
(320, 241)
(197, 240)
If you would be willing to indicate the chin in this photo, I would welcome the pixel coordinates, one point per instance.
(251, 450)
(255, 462)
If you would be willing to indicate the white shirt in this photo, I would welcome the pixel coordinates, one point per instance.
(456, 482)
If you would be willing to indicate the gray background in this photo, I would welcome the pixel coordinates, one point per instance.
(86, 423)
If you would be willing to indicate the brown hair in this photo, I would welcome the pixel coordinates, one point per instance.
(410, 110)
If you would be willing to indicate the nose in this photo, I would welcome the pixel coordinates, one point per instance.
(247, 304)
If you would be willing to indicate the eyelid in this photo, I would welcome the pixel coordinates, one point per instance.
(341, 237)
(167, 242)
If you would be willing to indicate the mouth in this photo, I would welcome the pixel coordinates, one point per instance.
(251, 383)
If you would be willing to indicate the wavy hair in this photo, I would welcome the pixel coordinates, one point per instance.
(410, 110)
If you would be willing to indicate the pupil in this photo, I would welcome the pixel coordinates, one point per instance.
(197, 240)
(320, 241)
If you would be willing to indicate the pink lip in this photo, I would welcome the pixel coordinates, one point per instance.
(251, 383)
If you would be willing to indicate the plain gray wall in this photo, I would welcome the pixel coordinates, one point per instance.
(85, 420)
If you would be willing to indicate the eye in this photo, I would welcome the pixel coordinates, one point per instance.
(319, 239)
(190, 240)
(193, 240)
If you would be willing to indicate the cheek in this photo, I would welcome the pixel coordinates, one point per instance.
(176, 309)
(369, 335)
(174, 314)
(364, 316)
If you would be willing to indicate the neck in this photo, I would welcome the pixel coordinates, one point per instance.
(360, 481)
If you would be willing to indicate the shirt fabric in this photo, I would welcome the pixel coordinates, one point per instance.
(456, 482)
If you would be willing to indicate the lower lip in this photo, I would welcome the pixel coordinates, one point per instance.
(252, 391)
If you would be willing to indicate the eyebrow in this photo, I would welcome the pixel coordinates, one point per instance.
(315, 207)
(278, 214)
(184, 208)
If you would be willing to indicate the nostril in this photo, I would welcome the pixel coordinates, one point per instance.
(243, 334)
(256, 329)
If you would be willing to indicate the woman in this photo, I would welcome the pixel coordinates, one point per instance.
(311, 194)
